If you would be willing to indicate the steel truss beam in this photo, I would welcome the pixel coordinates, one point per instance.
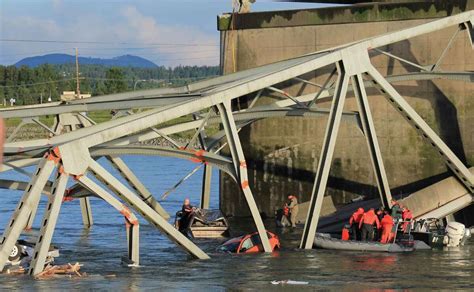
(146, 211)
(325, 159)
(240, 166)
(131, 221)
(49, 223)
(399, 103)
(137, 185)
(28, 202)
(168, 104)
(372, 142)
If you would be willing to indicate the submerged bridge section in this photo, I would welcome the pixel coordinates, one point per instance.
(70, 149)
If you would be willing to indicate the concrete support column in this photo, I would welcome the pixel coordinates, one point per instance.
(133, 242)
(86, 212)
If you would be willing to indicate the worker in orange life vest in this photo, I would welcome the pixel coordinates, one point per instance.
(387, 225)
(354, 223)
(366, 224)
(345, 233)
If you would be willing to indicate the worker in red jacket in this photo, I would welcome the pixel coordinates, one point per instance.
(387, 225)
(366, 224)
(406, 216)
(354, 223)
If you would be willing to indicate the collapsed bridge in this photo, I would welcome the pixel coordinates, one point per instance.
(72, 146)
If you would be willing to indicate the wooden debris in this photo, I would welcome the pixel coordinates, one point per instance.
(68, 270)
(18, 270)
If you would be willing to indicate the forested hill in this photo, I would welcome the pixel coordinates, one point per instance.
(27, 84)
(59, 59)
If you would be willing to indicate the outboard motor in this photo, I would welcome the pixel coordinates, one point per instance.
(455, 234)
(467, 235)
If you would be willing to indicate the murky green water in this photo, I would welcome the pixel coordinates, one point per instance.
(167, 268)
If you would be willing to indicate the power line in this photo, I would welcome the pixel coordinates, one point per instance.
(108, 43)
(37, 83)
(100, 78)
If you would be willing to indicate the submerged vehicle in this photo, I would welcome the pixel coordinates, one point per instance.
(203, 223)
(249, 243)
(405, 244)
(23, 251)
(432, 232)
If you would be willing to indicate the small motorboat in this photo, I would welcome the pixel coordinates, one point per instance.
(326, 241)
(204, 223)
(432, 232)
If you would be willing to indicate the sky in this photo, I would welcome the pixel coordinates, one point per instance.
(167, 32)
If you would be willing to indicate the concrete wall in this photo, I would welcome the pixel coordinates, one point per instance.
(283, 153)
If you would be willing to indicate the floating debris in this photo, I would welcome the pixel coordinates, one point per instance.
(289, 282)
(15, 270)
(69, 270)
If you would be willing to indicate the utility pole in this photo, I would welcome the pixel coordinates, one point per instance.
(78, 90)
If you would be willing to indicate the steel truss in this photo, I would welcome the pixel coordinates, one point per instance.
(76, 142)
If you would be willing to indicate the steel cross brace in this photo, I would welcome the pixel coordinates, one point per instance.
(399, 103)
(368, 128)
(68, 122)
(240, 166)
(207, 172)
(49, 223)
(145, 210)
(131, 220)
(137, 185)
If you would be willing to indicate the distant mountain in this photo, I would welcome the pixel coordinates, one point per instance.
(57, 59)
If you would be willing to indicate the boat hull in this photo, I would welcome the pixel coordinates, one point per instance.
(325, 241)
(210, 232)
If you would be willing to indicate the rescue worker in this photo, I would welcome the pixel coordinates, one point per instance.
(345, 233)
(387, 225)
(366, 224)
(282, 216)
(396, 211)
(354, 223)
(380, 214)
(406, 217)
(293, 208)
(187, 211)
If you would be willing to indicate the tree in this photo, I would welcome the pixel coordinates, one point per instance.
(115, 80)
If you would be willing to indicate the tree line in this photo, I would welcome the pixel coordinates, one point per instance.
(31, 85)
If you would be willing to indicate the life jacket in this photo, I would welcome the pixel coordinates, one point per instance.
(387, 221)
(407, 215)
(370, 218)
(345, 234)
(286, 211)
(355, 218)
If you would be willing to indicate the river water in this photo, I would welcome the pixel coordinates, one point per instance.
(166, 267)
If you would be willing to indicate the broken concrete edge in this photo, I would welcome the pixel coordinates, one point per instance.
(343, 14)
